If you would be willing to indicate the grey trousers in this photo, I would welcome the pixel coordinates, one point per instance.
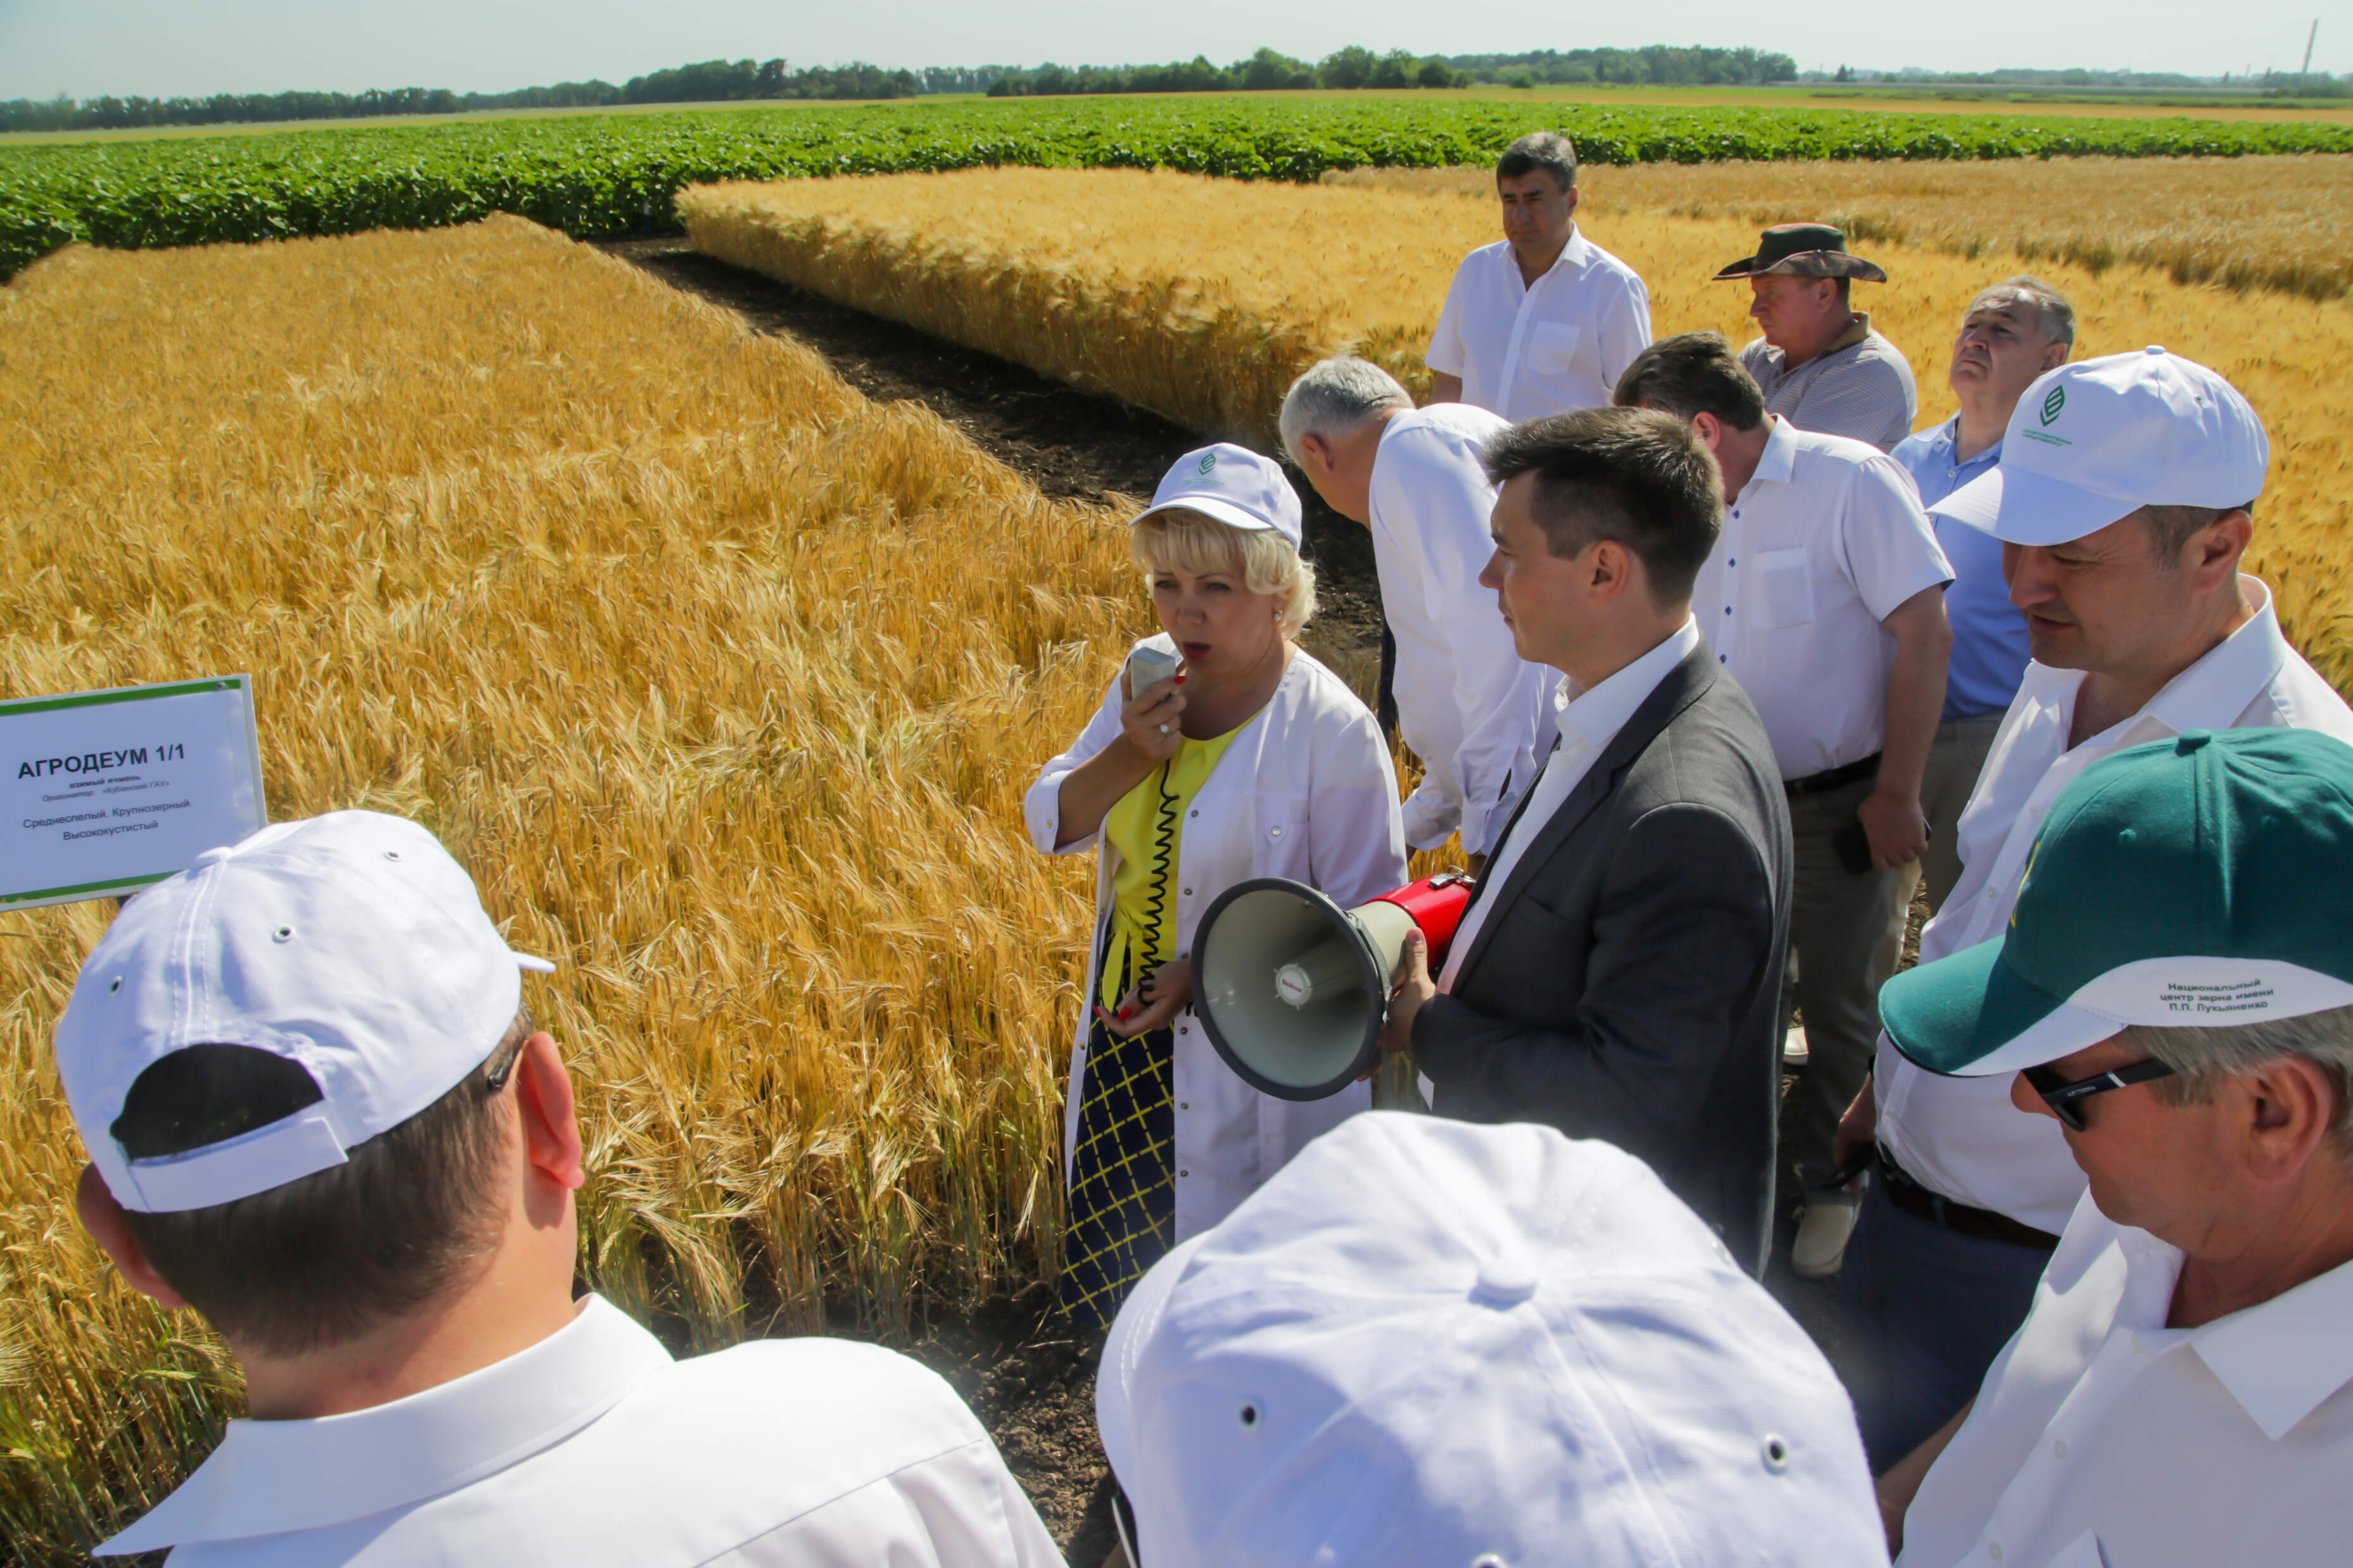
(1955, 761)
(1838, 927)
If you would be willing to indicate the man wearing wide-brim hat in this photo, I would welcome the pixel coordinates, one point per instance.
(2175, 990)
(1820, 365)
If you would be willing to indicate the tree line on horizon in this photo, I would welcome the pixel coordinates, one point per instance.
(728, 81)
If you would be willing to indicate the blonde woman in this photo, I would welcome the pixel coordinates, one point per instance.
(1253, 761)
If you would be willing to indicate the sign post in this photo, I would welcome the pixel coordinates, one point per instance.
(109, 791)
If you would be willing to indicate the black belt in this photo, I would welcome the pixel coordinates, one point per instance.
(1834, 778)
(1939, 1210)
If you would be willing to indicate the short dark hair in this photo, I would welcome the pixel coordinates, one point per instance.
(1692, 372)
(1638, 478)
(325, 1258)
(1547, 149)
(2171, 528)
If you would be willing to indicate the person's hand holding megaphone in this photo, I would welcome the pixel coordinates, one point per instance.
(1413, 987)
(1153, 1002)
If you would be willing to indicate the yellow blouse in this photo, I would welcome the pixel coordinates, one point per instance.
(1146, 826)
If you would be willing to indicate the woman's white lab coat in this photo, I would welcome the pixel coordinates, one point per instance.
(1306, 792)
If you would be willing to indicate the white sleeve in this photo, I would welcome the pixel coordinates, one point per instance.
(962, 1508)
(1625, 328)
(1042, 807)
(1355, 832)
(1445, 356)
(1494, 691)
(1889, 547)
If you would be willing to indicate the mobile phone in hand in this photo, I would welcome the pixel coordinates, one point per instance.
(1148, 667)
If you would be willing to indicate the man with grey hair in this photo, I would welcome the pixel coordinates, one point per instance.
(2011, 333)
(1545, 321)
(2172, 1000)
(2121, 504)
(1467, 704)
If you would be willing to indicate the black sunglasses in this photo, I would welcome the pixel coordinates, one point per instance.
(2065, 1096)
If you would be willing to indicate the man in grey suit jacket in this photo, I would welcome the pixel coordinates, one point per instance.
(1617, 975)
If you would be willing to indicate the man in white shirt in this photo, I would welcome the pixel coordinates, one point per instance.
(2122, 502)
(1467, 704)
(1824, 598)
(1819, 362)
(2175, 998)
(317, 1113)
(1544, 320)
(1618, 971)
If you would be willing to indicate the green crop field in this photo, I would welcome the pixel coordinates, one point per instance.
(599, 176)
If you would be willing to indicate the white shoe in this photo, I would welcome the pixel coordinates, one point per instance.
(1822, 1235)
(1794, 1050)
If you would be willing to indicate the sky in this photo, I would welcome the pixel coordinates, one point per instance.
(160, 48)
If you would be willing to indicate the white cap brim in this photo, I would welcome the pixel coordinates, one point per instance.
(2021, 507)
(1138, 1321)
(1216, 508)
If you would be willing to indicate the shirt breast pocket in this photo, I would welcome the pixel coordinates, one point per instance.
(1282, 846)
(1785, 588)
(1552, 347)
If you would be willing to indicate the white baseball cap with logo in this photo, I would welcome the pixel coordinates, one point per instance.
(2093, 442)
(350, 944)
(1431, 1344)
(1233, 485)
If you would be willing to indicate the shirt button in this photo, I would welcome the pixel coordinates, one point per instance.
(1183, 1105)
(1184, 1173)
(2059, 1449)
(1274, 833)
(1192, 813)
(1189, 892)
(1993, 1550)
(1723, 658)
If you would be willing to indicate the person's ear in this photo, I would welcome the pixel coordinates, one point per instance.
(548, 1115)
(1576, 193)
(104, 1219)
(2286, 1108)
(1315, 455)
(1605, 570)
(1709, 429)
(2221, 545)
(2055, 354)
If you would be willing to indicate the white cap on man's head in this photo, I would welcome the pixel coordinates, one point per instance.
(1433, 1344)
(1233, 485)
(2093, 442)
(350, 944)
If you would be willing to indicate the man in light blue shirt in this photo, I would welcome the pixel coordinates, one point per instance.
(2013, 332)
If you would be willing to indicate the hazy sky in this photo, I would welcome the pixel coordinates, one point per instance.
(83, 47)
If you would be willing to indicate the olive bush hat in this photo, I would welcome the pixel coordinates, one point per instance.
(2207, 879)
(1803, 250)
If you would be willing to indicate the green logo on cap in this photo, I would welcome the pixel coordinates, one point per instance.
(1209, 461)
(2054, 404)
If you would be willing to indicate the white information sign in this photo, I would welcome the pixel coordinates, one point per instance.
(109, 791)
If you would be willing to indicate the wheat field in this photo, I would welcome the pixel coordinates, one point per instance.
(676, 640)
(1201, 299)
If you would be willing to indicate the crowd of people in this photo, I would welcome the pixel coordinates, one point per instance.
(1716, 667)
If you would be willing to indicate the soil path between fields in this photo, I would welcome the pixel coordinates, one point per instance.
(1030, 1378)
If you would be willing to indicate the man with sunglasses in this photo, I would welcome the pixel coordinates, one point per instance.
(317, 1113)
(2174, 995)
(2122, 502)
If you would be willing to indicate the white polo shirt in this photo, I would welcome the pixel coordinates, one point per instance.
(1523, 351)
(1468, 704)
(1961, 1136)
(1823, 544)
(594, 1447)
(2101, 1438)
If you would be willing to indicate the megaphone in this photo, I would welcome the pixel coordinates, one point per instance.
(1294, 989)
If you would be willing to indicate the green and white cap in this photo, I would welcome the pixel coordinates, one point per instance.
(2202, 881)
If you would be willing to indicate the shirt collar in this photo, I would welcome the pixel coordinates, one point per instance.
(268, 1478)
(1574, 256)
(2212, 692)
(1778, 460)
(1858, 330)
(2280, 1359)
(1948, 439)
(1597, 715)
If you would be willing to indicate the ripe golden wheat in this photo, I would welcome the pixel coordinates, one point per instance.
(723, 682)
(1201, 299)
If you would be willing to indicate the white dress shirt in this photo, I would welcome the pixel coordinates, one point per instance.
(1823, 544)
(2102, 1438)
(1961, 1136)
(594, 1447)
(1589, 721)
(1307, 791)
(1468, 705)
(1523, 351)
